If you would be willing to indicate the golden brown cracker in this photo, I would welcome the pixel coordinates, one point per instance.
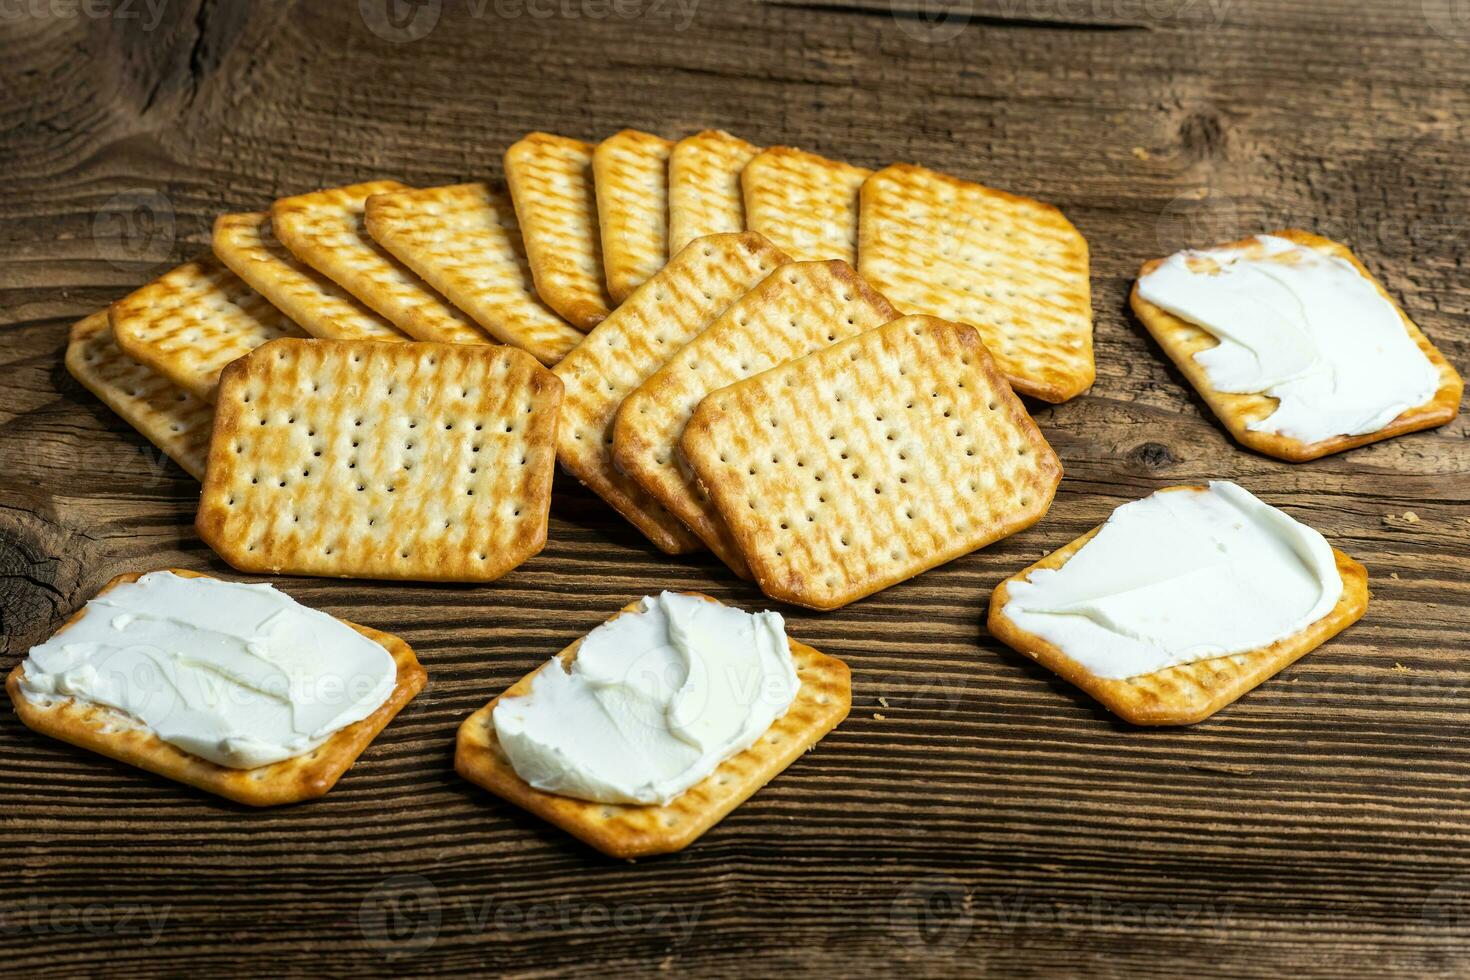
(631, 175)
(1013, 268)
(704, 186)
(626, 831)
(870, 461)
(111, 733)
(430, 462)
(805, 204)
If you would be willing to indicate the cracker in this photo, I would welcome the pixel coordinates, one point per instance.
(464, 241)
(417, 461)
(111, 733)
(798, 309)
(248, 245)
(550, 180)
(870, 461)
(1013, 268)
(1191, 692)
(661, 316)
(167, 416)
(193, 320)
(805, 204)
(1182, 340)
(704, 186)
(630, 831)
(325, 229)
(631, 174)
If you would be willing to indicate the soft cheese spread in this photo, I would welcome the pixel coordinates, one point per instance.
(1180, 576)
(241, 675)
(1299, 326)
(655, 700)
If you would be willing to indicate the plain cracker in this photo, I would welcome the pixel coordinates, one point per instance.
(794, 311)
(631, 174)
(1190, 692)
(464, 241)
(1182, 340)
(805, 204)
(624, 831)
(704, 186)
(112, 734)
(430, 462)
(870, 461)
(1013, 268)
(661, 316)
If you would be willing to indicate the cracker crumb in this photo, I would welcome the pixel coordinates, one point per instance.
(1393, 575)
(1140, 153)
(1401, 668)
(882, 700)
(879, 717)
(1411, 517)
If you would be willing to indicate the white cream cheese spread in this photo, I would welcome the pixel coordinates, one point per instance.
(1180, 576)
(241, 675)
(654, 701)
(1299, 326)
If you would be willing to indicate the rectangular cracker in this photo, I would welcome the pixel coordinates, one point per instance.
(630, 831)
(249, 246)
(661, 316)
(167, 416)
(704, 186)
(870, 461)
(304, 777)
(326, 230)
(193, 320)
(1013, 268)
(798, 309)
(1182, 340)
(551, 183)
(1187, 693)
(631, 174)
(430, 462)
(805, 204)
(464, 242)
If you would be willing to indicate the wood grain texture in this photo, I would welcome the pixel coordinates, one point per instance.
(973, 814)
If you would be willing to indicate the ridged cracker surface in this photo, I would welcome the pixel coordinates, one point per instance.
(631, 174)
(192, 321)
(464, 241)
(624, 831)
(551, 182)
(168, 416)
(856, 467)
(326, 230)
(303, 777)
(1191, 692)
(1182, 340)
(1013, 268)
(805, 204)
(798, 309)
(248, 245)
(704, 186)
(430, 462)
(662, 316)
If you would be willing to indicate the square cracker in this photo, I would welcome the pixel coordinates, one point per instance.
(249, 246)
(430, 462)
(304, 777)
(661, 316)
(193, 320)
(630, 831)
(1013, 268)
(551, 183)
(1187, 693)
(870, 461)
(464, 241)
(704, 186)
(1182, 340)
(631, 174)
(798, 309)
(805, 204)
(168, 416)
(325, 229)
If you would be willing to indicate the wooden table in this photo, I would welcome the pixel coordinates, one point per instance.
(973, 814)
